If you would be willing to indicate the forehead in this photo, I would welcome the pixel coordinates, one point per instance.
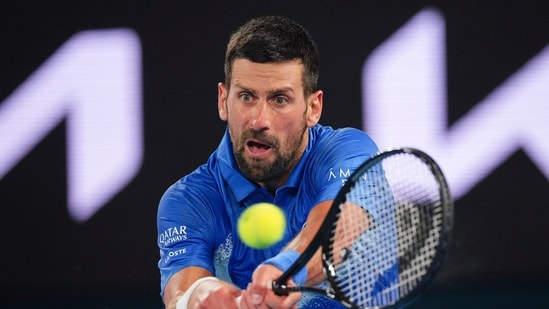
(246, 73)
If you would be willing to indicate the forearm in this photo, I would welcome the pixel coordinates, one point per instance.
(315, 219)
(180, 282)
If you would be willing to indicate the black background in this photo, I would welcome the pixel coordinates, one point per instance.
(500, 248)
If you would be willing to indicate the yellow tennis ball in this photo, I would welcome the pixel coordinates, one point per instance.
(261, 225)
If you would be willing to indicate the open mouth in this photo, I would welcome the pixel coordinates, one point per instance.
(258, 148)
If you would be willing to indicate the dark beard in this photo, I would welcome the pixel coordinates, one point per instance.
(261, 171)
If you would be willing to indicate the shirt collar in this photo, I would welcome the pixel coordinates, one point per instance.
(240, 185)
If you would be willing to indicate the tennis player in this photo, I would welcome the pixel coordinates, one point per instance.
(274, 150)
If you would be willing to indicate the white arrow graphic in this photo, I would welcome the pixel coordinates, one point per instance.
(404, 104)
(93, 80)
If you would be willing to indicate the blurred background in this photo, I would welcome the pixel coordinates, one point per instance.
(104, 104)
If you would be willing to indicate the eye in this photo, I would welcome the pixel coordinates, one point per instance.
(245, 97)
(280, 100)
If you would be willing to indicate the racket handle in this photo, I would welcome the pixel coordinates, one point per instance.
(238, 299)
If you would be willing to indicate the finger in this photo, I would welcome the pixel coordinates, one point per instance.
(238, 301)
(257, 293)
(243, 301)
(288, 301)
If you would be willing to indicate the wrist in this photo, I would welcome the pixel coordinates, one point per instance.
(284, 260)
(183, 301)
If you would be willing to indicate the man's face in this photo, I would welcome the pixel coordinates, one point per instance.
(268, 117)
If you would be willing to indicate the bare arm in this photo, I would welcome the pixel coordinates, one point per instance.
(209, 294)
(315, 273)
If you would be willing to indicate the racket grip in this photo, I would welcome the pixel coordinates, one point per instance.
(279, 288)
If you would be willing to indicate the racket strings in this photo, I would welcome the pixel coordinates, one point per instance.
(388, 231)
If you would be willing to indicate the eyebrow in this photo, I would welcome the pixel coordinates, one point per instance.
(281, 90)
(269, 92)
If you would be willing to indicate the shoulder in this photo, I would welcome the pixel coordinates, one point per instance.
(200, 179)
(332, 155)
(343, 140)
(195, 191)
(337, 149)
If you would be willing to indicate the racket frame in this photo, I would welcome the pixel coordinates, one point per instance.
(322, 239)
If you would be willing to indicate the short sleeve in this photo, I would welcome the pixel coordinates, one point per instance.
(185, 221)
(338, 154)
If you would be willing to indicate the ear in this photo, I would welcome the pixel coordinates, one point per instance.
(222, 101)
(315, 108)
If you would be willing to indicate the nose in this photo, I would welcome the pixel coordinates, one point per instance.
(261, 118)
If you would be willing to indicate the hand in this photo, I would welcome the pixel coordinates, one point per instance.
(214, 294)
(259, 293)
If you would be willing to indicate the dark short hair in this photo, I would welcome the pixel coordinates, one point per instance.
(272, 39)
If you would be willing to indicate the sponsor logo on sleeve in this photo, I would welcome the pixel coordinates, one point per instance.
(340, 174)
(173, 235)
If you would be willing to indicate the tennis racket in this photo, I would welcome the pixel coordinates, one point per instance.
(386, 234)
